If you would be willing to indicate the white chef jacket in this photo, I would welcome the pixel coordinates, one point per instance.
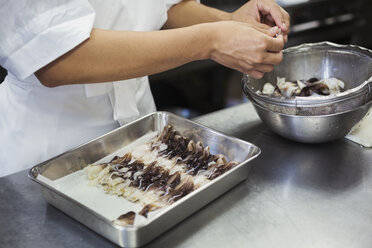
(36, 122)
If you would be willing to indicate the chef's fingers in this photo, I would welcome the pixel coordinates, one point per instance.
(287, 20)
(278, 14)
(264, 67)
(273, 32)
(272, 58)
(274, 44)
(285, 37)
(255, 74)
(261, 26)
(246, 67)
(264, 28)
(268, 20)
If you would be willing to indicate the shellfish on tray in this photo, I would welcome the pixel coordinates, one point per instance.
(159, 172)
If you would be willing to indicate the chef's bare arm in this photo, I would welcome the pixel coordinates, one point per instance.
(190, 12)
(118, 55)
(249, 47)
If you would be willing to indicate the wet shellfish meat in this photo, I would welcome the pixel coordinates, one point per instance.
(159, 172)
(310, 87)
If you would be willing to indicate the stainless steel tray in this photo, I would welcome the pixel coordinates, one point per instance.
(76, 159)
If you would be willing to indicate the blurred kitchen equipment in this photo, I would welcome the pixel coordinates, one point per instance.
(323, 118)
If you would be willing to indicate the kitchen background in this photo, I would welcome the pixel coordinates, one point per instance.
(204, 86)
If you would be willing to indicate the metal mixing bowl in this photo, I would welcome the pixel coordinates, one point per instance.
(312, 129)
(351, 64)
(321, 119)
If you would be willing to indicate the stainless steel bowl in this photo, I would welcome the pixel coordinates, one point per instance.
(351, 64)
(312, 129)
(319, 119)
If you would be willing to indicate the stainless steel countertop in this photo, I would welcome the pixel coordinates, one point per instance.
(296, 195)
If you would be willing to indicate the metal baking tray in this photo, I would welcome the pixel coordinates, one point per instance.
(134, 236)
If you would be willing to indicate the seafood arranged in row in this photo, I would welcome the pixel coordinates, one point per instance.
(310, 87)
(159, 172)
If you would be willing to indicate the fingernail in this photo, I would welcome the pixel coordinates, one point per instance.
(284, 26)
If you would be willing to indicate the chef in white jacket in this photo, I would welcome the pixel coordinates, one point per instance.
(77, 68)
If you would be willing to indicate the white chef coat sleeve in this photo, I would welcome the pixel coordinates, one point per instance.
(34, 33)
(170, 3)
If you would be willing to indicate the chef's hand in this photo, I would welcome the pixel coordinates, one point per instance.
(251, 49)
(264, 11)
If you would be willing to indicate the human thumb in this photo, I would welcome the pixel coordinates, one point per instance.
(274, 31)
